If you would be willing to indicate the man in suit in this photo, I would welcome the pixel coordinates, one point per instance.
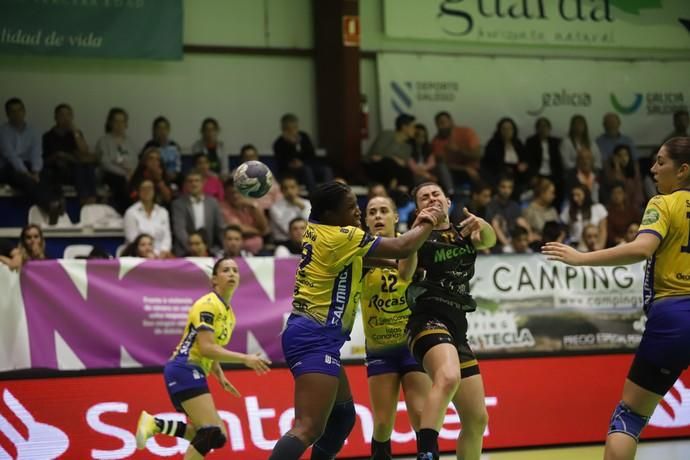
(195, 211)
(544, 158)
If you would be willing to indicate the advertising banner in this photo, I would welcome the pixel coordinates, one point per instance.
(640, 24)
(142, 29)
(95, 417)
(478, 91)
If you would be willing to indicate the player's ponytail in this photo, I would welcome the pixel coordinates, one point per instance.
(678, 149)
(327, 197)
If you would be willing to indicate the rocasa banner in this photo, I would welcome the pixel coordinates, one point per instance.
(640, 24)
(95, 417)
(479, 91)
(145, 29)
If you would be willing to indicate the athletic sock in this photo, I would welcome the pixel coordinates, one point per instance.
(428, 444)
(171, 427)
(381, 450)
(288, 447)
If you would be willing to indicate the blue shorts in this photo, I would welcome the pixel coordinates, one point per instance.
(398, 360)
(308, 350)
(184, 381)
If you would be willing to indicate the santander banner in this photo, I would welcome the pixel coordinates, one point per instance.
(95, 417)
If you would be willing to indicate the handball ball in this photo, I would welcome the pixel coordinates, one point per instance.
(253, 179)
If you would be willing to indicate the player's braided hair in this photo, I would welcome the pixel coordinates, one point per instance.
(327, 197)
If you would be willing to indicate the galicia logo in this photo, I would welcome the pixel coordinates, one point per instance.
(627, 109)
(402, 99)
(562, 98)
(674, 410)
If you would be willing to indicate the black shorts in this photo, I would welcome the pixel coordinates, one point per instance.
(425, 331)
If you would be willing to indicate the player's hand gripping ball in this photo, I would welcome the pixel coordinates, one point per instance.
(253, 179)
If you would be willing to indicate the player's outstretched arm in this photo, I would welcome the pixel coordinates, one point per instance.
(408, 243)
(641, 248)
(211, 350)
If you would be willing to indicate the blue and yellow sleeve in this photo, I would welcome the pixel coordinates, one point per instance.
(204, 314)
(656, 218)
(355, 242)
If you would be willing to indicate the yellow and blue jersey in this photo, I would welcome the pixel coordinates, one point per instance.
(384, 309)
(668, 270)
(209, 313)
(328, 280)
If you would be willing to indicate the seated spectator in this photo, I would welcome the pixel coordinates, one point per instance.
(458, 147)
(544, 157)
(584, 174)
(213, 186)
(540, 209)
(609, 141)
(211, 146)
(576, 140)
(21, 161)
(479, 201)
(519, 242)
(581, 211)
(194, 211)
(10, 255)
(32, 245)
(425, 166)
(620, 215)
(293, 246)
(505, 155)
(681, 123)
(169, 149)
(376, 189)
(249, 153)
(97, 253)
(117, 158)
(66, 156)
(295, 155)
(590, 238)
(197, 245)
(390, 156)
(142, 246)
(146, 217)
(504, 214)
(150, 167)
(232, 242)
(244, 212)
(630, 233)
(621, 168)
(287, 209)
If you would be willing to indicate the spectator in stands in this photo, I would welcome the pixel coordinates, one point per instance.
(196, 242)
(630, 233)
(458, 147)
(590, 239)
(193, 211)
(581, 211)
(287, 209)
(578, 139)
(390, 156)
(232, 242)
(249, 153)
(32, 244)
(424, 164)
(376, 189)
(117, 157)
(66, 156)
(544, 157)
(10, 255)
(211, 146)
(620, 214)
(503, 213)
(244, 212)
(681, 122)
(479, 200)
(540, 209)
(584, 173)
(552, 231)
(169, 149)
(505, 155)
(295, 154)
(142, 246)
(21, 160)
(293, 246)
(150, 167)
(519, 242)
(622, 168)
(146, 217)
(213, 186)
(609, 141)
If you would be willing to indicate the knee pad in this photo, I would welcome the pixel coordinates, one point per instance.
(624, 420)
(207, 438)
(338, 428)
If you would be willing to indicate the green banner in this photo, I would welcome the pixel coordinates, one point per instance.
(145, 29)
(632, 24)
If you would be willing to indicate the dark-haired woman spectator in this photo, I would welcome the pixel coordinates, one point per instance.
(146, 217)
(505, 155)
(244, 212)
(577, 139)
(621, 214)
(211, 146)
(621, 168)
(117, 157)
(581, 211)
(540, 209)
(213, 186)
(424, 164)
(169, 149)
(150, 167)
(10, 255)
(197, 244)
(544, 158)
(142, 246)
